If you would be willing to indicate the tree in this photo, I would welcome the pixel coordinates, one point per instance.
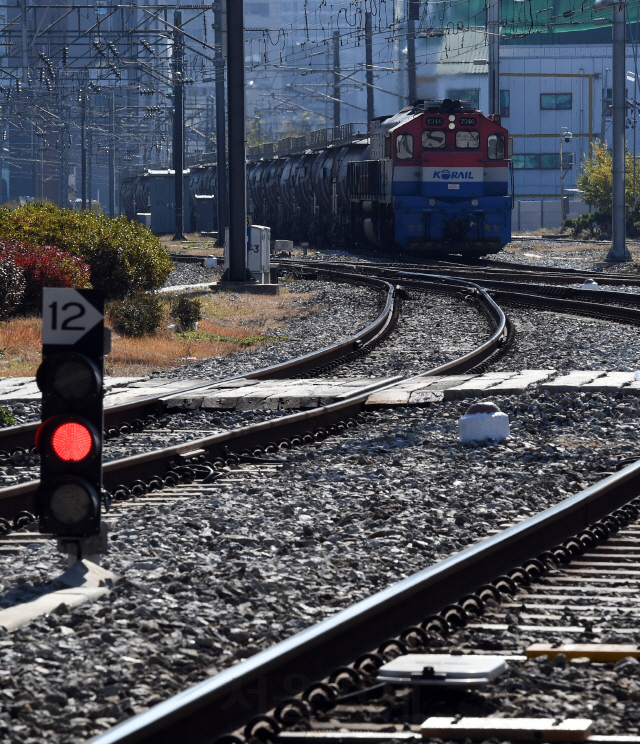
(595, 180)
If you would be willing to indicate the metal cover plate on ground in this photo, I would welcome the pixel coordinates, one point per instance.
(442, 669)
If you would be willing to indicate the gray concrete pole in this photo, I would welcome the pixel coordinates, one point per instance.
(411, 60)
(112, 154)
(368, 42)
(221, 139)
(237, 142)
(336, 79)
(83, 147)
(178, 126)
(90, 168)
(493, 33)
(619, 250)
(24, 27)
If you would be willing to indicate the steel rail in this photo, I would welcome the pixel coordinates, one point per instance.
(439, 283)
(152, 464)
(561, 276)
(595, 306)
(562, 298)
(474, 273)
(227, 701)
(569, 293)
(115, 416)
(609, 312)
(521, 270)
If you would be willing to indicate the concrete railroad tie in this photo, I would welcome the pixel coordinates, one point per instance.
(270, 395)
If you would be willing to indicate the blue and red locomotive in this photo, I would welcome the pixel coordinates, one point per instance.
(437, 180)
(433, 178)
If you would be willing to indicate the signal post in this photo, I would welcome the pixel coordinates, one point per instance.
(70, 437)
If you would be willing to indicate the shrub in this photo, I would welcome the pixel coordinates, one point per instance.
(44, 266)
(186, 310)
(124, 256)
(6, 417)
(140, 314)
(592, 224)
(11, 286)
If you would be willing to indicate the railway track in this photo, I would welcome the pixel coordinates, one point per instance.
(610, 305)
(479, 267)
(546, 567)
(221, 708)
(151, 471)
(479, 270)
(479, 565)
(132, 416)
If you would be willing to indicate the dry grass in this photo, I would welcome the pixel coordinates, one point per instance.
(195, 245)
(20, 344)
(551, 247)
(231, 323)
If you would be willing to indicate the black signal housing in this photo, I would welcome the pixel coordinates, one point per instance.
(70, 439)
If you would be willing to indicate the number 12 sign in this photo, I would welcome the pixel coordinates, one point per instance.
(69, 314)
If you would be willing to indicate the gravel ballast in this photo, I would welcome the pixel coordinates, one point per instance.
(213, 580)
(432, 329)
(218, 578)
(548, 340)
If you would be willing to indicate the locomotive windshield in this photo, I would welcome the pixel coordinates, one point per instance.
(495, 147)
(404, 146)
(468, 140)
(433, 140)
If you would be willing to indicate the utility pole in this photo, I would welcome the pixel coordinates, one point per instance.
(237, 141)
(64, 182)
(368, 43)
(336, 78)
(178, 124)
(112, 154)
(25, 43)
(90, 169)
(619, 250)
(493, 34)
(221, 139)
(83, 146)
(411, 60)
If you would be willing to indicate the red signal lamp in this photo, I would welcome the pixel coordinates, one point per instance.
(71, 441)
(67, 439)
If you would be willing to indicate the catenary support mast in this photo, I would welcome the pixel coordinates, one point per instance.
(237, 247)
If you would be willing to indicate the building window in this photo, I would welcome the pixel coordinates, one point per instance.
(555, 101)
(505, 102)
(545, 161)
(257, 9)
(465, 94)
(404, 146)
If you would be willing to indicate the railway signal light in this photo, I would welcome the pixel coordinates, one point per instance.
(69, 439)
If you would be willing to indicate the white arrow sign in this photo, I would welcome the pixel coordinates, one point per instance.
(66, 316)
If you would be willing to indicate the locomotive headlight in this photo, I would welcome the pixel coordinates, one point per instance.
(474, 202)
(452, 126)
(452, 117)
(432, 202)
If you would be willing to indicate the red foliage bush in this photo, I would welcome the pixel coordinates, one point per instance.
(44, 266)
